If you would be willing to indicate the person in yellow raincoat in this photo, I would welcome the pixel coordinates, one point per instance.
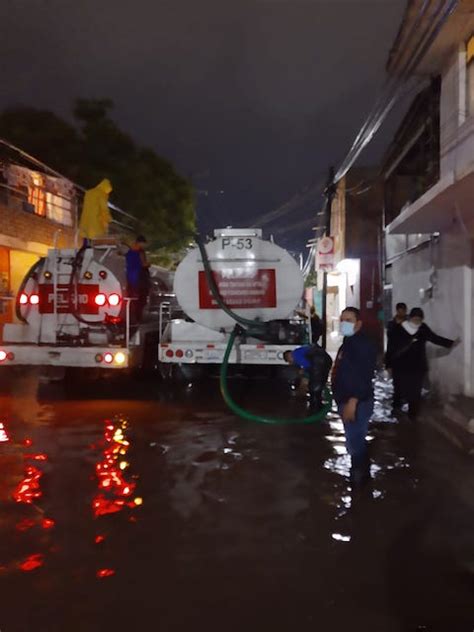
(95, 216)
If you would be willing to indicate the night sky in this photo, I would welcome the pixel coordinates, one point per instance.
(252, 98)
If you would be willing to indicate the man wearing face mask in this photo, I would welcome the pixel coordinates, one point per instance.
(406, 355)
(352, 388)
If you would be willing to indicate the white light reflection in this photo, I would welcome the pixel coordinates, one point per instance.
(341, 538)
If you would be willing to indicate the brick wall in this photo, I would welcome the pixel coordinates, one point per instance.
(15, 222)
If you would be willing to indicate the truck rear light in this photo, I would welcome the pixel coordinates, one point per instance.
(112, 320)
(23, 299)
(3, 355)
(189, 353)
(114, 299)
(169, 353)
(103, 274)
(179, 353)
(100, 300)
(108, 358)
(99, 357)
(120, 358)
(10, 355)
(34, 299)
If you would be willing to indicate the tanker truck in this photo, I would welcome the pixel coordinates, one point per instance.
(73, 311)
(257, 280)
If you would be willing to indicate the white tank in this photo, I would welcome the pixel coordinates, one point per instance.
(256, 279)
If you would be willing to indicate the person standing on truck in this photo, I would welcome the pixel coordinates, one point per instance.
(95, 216)
(353, 391)
(138, 277)
(316, 364)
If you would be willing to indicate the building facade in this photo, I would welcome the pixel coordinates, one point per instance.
(429, 196)
(37, 212)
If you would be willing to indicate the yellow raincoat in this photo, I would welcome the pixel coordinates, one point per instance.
(95, 216)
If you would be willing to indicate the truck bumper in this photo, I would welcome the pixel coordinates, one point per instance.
(192, 353)
(34, 355)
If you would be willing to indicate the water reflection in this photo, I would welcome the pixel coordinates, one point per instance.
(4, 438)
(115, 488)
(26, 493)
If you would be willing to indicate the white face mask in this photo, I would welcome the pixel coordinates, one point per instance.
(410, 327)
(346, 328)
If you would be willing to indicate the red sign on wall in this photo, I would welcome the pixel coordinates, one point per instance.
(256, 291)
(66, 297)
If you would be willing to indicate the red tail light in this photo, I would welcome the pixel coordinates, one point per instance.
(23, 299)
(114, 299)
(179, 353)
(100, 300)
(34, 299)
(169, 353)
(3, 355)
(108, 358)
(112, 320)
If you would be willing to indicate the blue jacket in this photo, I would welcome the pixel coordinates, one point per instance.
(300, 358)
(354, 369)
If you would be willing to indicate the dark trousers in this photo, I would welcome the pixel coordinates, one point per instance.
(138, 304)
(397, 389)
(318, 375)
(411, 385)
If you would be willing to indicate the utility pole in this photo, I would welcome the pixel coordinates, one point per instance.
(329, 192)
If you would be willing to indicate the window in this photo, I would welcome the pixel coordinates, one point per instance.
(470, 76)
(59, 209)
(36, 194)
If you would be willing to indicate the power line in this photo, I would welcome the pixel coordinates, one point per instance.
(393, 89)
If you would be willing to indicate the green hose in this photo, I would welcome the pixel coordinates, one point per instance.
(245, 414)
(254, 327)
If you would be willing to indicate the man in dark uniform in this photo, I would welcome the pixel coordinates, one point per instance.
(316, 364)
(352, 388)
(138, 277)
(406, 356)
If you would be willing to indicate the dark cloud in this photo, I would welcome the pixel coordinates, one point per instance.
(262, 96)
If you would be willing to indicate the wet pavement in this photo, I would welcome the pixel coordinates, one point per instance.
(163, 511)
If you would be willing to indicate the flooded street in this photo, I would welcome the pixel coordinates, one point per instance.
(166, 512)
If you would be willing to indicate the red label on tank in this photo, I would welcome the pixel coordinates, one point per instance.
(258, 290)
(66, 298)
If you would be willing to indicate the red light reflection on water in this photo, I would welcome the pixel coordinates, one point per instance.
(32, 562)
(114, 489)
(25, 524)
(36, 457)
(28, 489)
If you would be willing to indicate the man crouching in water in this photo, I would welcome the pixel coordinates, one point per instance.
(316, 364)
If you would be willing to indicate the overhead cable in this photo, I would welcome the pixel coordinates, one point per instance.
(394, 87)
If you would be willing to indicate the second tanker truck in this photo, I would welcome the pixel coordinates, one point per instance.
(257, 280)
